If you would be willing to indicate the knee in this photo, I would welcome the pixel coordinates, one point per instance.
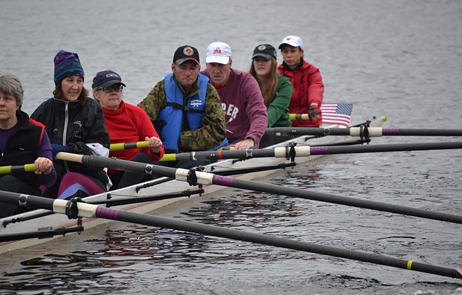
(142, 158)
(9, 183)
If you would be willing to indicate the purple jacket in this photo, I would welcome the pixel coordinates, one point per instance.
(245, 111)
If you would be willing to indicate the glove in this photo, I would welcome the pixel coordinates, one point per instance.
(58, 148)
(313, 113)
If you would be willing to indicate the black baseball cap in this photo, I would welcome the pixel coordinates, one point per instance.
(184, 53)
(106, 78)
(264, 50)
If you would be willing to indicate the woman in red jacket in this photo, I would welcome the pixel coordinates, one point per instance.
(125, 123)
(307, 81)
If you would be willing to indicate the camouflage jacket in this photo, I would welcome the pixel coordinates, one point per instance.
(209, 135)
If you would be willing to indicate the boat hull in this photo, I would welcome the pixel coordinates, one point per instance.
(34, 222)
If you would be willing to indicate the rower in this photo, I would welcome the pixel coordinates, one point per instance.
(75, 124)
(22, 141)
(185, 109)
(241, 98)
(275, 88)
(307, 81)
(107, 91)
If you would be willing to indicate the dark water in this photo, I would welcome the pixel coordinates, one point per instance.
(400, 59)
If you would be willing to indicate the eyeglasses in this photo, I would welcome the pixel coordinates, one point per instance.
(113, 88)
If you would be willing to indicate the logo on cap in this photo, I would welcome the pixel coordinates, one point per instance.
(112, 75)
(261, 47)
(217, 50)
(188, 51)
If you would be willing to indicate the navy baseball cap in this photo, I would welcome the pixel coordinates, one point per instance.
(105, 79)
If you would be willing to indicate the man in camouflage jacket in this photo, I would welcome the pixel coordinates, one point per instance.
(186, 67)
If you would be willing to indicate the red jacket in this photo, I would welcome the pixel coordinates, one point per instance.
(130, 124)
(308, 88)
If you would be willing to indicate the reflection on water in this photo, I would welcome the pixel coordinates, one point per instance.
(400, 59)
(244, 210)
(137, 258)
(121, 251)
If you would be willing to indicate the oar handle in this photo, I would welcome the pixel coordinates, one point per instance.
(69, 157)
(131, 145)
(189, 156)
(294, 117)
(168, 157)
(5, 170)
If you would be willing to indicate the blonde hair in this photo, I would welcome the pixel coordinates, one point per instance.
(269, 85)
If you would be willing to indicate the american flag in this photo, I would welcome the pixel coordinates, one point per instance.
(336, 113)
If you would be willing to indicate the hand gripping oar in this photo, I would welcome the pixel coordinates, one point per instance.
(194, 177)
(131, 145)
(76, 209)
(305, 151)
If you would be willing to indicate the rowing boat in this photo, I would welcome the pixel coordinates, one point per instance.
(41, 220)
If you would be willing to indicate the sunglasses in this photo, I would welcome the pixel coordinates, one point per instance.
(113, 88)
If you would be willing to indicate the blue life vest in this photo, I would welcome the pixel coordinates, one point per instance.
(170, 118)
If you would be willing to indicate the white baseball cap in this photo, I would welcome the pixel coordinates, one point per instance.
(293, 41)
(218, 52)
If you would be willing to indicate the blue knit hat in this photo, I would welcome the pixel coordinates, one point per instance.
(67, 64)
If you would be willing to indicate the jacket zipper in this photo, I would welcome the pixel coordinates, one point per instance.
(66, 121)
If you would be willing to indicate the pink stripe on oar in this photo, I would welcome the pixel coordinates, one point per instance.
(321, 150)
(222, 180)
(107, 213)
(390, 131)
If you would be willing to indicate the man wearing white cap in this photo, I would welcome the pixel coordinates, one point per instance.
(307, 81)
(241, 98)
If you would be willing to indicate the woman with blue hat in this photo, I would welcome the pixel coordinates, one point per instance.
(75, 124)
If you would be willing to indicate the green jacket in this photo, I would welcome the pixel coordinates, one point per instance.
(278, 112)
(213, 130)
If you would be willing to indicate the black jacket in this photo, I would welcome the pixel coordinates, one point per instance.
(22, 148)
(85, 125)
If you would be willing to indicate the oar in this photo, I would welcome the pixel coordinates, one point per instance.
(229, 171)
(108, 202)
(125, 201)
(305, 151)
(15, 170)
(131, 145)
(294, 117)
(197, 177)
(360, 131)
(76, 209)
